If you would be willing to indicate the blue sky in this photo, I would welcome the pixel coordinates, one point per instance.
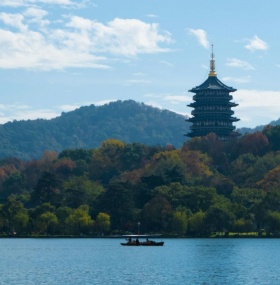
(58, 55)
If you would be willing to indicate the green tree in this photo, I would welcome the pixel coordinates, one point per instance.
(175, 193)
(196, 223)
(47, 189)
(76, 154)
(103, 222)
(247, 197)
(242, 169)
(273, 135)
(166, 167)
(63, 214)
(272, 222)
(243, 225)
(106, 161)
(15, 214)
(80, 190)
(14, 184)
(80, 220)
(46, 221)
(199, 198)
(219, 218)
(118, 202)
(179, 222)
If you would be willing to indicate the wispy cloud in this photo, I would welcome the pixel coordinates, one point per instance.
(171, 98)
(167, 63)
(257, 98)
(24, 3)
(77, 42)
(137, 81)
(235, 62)
(256, 106)
(178, 99)
(256, 44)
(138, 78)
(152, 16)
(19, 111)
(246, 79)
(103, 102)
(201, 36)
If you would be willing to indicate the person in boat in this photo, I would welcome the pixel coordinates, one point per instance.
(129, 240)
(137, 241)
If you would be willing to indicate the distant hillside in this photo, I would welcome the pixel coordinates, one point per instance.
(258, 128)
(88, 126)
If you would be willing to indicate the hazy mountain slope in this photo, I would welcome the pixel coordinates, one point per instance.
(88, 126)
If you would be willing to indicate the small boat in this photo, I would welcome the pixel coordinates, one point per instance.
(133, 240)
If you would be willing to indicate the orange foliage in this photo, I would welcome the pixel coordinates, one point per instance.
(271, 180)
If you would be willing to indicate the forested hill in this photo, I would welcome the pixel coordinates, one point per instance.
(88, 126)
(258, 128)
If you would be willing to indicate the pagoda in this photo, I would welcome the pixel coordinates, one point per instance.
(212, 108)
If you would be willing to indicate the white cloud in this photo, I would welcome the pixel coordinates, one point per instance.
(78, 42)
(256, 98)
(19, 111)
(246, 79)
(256, 44)
(128, 37)
(178, 99)
(35, 13)
(201, 36)
(235, 62)
(166, 63)
(152, 16)
(256, 107)
(13, 21)
(152, 95)
(23, 3)
(137, 81)
(154, 104)
(68, 108)
(103, 102)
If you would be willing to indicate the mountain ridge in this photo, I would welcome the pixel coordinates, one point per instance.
(87, 126)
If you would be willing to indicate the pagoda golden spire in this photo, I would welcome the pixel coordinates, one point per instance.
(212, 64)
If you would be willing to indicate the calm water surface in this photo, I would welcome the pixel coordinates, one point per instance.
(105, 261)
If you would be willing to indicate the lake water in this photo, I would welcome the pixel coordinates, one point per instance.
(105, 261)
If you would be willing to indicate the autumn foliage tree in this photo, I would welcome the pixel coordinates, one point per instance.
(204, 186)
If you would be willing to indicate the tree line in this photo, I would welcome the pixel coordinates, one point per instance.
(204, 187)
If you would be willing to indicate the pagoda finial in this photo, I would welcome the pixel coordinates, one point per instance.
(212, 64)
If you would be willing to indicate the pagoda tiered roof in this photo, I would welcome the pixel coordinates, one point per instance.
(212, 83)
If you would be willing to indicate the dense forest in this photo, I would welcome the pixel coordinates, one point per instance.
(88, 126)
(204, 187)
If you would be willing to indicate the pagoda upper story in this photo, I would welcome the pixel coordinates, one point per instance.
(212, 108)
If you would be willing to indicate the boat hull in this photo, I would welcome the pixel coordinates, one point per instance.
(161, 243)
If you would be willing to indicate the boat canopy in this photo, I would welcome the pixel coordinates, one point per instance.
(142, 236)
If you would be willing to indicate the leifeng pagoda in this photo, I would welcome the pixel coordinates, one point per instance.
(212, 108)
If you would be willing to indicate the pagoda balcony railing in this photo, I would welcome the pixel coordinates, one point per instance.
(212, 112)
(219, 129)
(220, 97)
(212, 127)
